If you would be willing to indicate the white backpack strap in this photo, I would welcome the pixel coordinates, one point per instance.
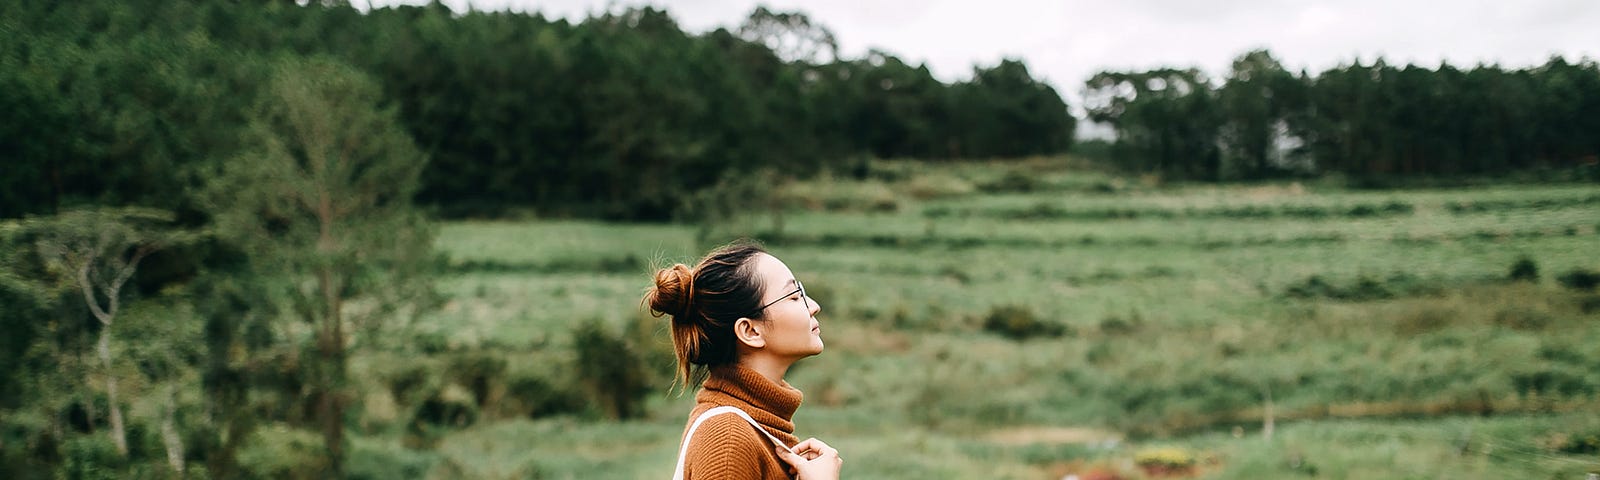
(683, 451)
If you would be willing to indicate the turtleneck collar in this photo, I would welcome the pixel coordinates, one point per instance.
(773, 403)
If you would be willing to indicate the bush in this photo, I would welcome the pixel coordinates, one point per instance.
(1522, 319)
(433, 343)
(1580, 443)
(611, 368)
(1524, 270)
(278, 451)
(534, 396)
(1386, 209)
(1363, 288)
(482, 373)
(1589, 304)
(1421, 320)
(373, 461)
(1019, 323)
(91, 457)
(1580, 279)
(1313, 287)
(449, 408)
(1118, 325)
(1165, 461)
(1012, 181)
(411, 383)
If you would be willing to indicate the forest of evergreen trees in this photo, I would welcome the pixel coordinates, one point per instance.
(1364, 119)
(615, 117)
(621, 114)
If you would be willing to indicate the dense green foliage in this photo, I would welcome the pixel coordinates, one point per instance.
(1359, 119)
(619, 116)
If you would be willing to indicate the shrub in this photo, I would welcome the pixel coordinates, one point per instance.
(482, 373)
(1580, 279)
(610, 368)
(1586, 443)
(1589, 304)
(450, 407)
(1551, 379)
(91, 457)
(277, 451)
(374, 461)
(1423, 320)
(1524, 270)
(1386, 209)
(534, 396)
(926, 187)
(411, 383)
(1012, 181)
(1164, 461)
(1019, 323)
(1313, 287)
(1118, 325)
(1367, 288)
(433, 343)
(1522, 319)
(1363, 288)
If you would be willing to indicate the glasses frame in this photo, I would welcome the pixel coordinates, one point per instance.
(800, 288)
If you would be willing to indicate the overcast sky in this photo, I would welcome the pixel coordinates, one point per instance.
(1066, 41)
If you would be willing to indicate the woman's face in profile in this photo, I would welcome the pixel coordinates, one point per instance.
(791, 327)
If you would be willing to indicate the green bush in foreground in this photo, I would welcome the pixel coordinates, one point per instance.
(1580, 279)
(611, 370)
(1019, 323)
(1525, 270)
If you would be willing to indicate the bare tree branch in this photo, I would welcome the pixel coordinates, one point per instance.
(88, 293)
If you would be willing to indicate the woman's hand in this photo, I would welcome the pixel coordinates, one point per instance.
(812, 460)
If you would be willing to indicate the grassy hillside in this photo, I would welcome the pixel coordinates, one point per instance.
(1032, 320)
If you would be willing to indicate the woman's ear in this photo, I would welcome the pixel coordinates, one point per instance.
(749, 333)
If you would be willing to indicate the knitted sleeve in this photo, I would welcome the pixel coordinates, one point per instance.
(727, 447)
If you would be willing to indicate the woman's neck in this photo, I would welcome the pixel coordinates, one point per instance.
(768, 366)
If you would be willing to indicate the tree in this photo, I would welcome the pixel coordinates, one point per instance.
(96, 251)
(1258, 105)
(791, 35)
(1165, 119)
(321, 204)
(1004, 112)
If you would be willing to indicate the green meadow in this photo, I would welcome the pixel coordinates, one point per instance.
(1036, 320)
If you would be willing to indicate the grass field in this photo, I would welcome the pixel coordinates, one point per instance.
(1147, 322)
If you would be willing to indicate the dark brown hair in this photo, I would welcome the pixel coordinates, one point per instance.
(704, 303)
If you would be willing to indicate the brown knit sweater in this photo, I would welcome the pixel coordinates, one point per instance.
(726, 446)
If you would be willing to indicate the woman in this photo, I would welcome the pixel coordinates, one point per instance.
(739, 320)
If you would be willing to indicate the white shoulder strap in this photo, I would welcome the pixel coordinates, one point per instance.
(683, 451)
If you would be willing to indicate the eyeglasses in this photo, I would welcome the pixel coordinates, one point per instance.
(801, 289)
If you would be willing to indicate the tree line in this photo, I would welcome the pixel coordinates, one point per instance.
(622, 114)
(1361, 119)
(616, 116)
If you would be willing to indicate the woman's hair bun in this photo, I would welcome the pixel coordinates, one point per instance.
(674, 290)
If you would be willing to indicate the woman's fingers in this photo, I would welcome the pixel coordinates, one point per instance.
(790, 458)
(814, 447)
(812, 460)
